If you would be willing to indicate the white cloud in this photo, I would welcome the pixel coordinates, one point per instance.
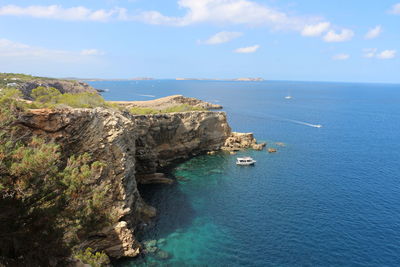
(222, 37)
(344, 35)
(341, 57)
(315, 29)
(92, 52)
(15, 50)
(222, 12)
(78, 13)
(395, 9)
(248, 49)
(374, 32)
(387, 54)
(370, 52)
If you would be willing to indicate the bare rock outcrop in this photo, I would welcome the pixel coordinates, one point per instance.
(169, 101)
(239, 141)
(64, 86)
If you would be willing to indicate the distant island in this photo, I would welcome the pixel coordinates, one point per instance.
(241, 79)
(245, 79)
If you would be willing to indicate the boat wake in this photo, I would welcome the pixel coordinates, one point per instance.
(259, 115)
(305, 123)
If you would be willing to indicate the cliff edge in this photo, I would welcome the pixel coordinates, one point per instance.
(130, 145)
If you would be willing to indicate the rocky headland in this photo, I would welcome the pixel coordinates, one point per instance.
(26, 83)
(135, 149)
(167, 102)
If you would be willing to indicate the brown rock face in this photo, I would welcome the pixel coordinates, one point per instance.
(240, 141)
(169, 101)
(128, 144)
(64, 86)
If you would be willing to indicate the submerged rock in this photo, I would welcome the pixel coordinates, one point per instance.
(280, 144)
(151, 249)
(162, 255)
(174, 235)
(161, 241)
(150, 243)
(272, 150)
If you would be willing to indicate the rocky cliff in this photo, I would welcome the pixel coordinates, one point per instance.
(169, 101)
(64, 86)
(130, 146)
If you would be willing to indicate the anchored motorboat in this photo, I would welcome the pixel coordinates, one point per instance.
(245, 161)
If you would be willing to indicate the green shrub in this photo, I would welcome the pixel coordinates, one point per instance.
(44, 200)
(94, 259)
(51, 97)
(178, 108)
(82, 100)
(45, 94)
(143, 111)
(182, 108)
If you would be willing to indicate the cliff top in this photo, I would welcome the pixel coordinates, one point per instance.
(168, 102)
(26, 83)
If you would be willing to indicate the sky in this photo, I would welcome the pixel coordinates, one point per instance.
(301, 40)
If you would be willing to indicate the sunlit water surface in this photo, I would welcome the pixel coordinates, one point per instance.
(329, 197)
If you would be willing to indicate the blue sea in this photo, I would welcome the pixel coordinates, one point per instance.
(329, 197)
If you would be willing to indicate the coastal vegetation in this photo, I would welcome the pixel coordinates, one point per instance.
(177, 108)
(50, 97)
(12, 79)
(51, 200)
(47, 204)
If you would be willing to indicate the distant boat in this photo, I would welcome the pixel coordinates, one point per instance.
(317, 125)
(288, 97)
(245, 161)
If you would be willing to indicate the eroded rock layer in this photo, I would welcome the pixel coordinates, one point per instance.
(128, 144)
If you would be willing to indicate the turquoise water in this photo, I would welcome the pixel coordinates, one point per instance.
(329, 197)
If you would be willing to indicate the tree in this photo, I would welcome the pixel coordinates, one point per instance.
(42, 198)
(45, 94)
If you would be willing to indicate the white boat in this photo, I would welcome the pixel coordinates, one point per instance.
(245, 161)
(317, 125)
(288, 97)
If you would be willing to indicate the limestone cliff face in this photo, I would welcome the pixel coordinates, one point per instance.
(64, 86)
(166, 138)
(128, 144)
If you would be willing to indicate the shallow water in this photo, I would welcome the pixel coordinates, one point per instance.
(330, 197)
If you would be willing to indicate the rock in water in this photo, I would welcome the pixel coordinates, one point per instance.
(258, 146)
(161, 241)
(151, 250)
(162, 255)
(240, 141)
(150, 243)
(272, 150)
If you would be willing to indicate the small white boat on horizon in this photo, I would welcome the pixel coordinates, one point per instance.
(245, 161)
